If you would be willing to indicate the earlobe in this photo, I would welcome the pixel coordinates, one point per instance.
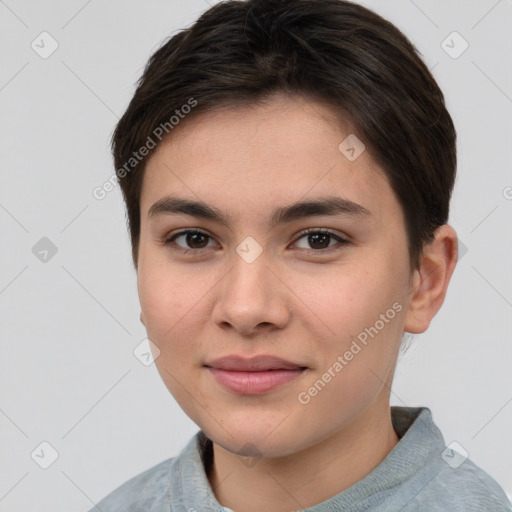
(431, 279)
(142, 319)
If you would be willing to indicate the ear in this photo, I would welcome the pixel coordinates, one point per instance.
(431, 279)
(142, 318)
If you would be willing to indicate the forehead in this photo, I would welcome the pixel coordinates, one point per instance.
(266, 155)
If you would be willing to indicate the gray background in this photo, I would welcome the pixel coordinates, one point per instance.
(69, 325)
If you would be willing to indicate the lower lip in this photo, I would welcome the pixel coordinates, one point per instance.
(254, 383)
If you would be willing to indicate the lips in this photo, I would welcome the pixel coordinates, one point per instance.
(253, 376)
(253, 364)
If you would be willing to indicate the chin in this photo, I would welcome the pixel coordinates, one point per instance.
(254, 440)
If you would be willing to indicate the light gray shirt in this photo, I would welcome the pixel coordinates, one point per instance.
(420, 474)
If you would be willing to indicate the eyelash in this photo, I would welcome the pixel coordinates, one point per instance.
(341, 241)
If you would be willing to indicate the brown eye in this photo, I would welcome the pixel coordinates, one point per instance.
(193, 241)
(318, 240)
(196, 240)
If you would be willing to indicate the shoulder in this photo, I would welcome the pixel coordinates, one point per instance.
(434, 476)
(465, 488)
(147, 491)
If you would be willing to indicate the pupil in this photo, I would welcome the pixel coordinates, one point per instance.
(314, 239)
(191, 237)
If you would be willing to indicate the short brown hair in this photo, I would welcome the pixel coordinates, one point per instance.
(335, 51)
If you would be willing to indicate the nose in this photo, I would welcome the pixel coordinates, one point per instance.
(251, 299)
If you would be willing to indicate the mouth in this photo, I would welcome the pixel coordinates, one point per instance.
(253, 376)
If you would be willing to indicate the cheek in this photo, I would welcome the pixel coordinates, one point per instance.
(175, 305)
(358, 361)
(363, 307)
(352, 298)
(161, 299)
(170, 315)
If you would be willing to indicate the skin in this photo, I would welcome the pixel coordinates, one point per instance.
(297, 300)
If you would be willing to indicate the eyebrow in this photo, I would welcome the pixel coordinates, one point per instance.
(332, 205)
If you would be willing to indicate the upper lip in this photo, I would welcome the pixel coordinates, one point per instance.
(254, 364)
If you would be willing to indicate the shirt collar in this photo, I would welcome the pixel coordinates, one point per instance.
(418, 448)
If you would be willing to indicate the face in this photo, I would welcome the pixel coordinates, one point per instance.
(323, 286)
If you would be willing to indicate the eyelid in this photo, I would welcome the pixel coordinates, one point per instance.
(169, 239)
(341, 237)
(343, 240)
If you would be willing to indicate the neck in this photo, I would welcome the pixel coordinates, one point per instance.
(306, 478)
